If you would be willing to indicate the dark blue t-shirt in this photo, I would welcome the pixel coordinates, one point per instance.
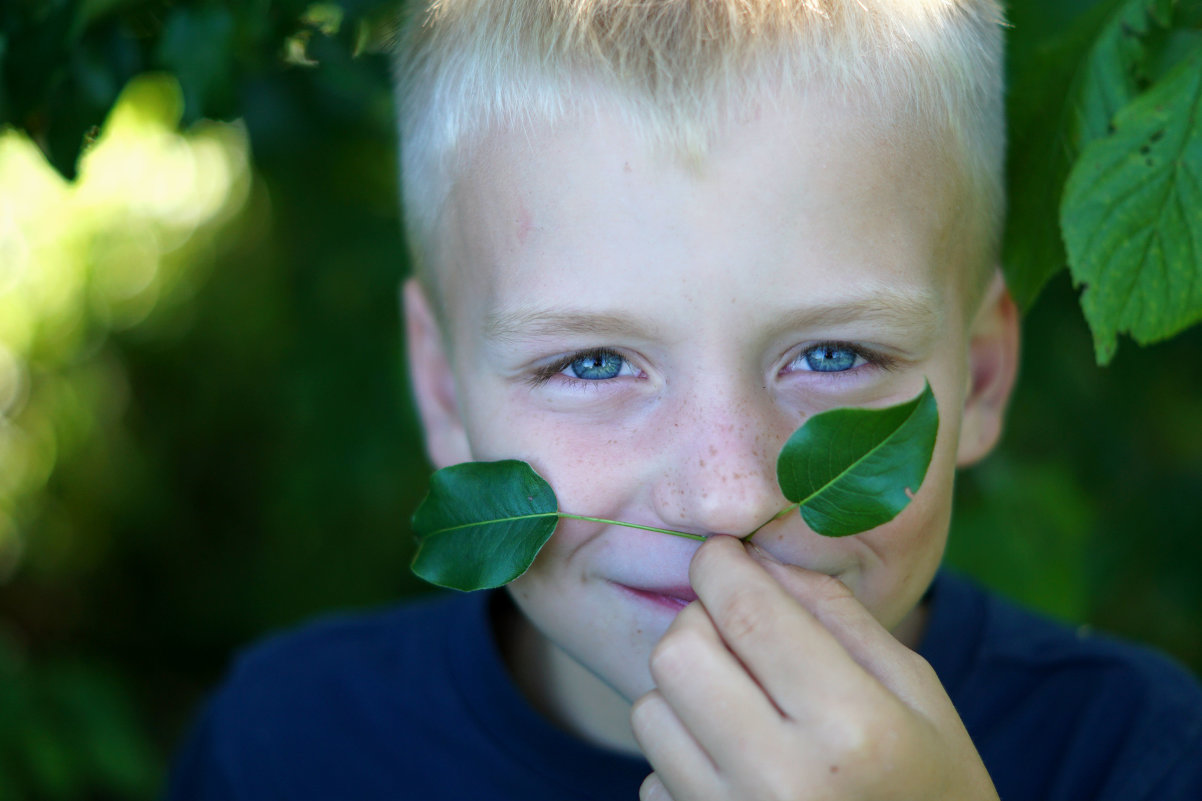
(415, 703)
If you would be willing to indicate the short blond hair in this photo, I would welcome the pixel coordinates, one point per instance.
(678, 68)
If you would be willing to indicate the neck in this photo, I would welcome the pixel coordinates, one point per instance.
(561, 689)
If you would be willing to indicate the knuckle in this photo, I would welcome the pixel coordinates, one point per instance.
(921, 671)
(642, 715)
(674, 653)
(852, 741)
(742, 616)
(781, 781)
(653, 789)
(831, 589)
(876, 743)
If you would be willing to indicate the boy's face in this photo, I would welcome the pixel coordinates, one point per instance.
(647, 335)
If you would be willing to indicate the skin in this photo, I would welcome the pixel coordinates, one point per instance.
(784, 670)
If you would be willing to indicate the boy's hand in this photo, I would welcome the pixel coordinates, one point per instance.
(779, 684)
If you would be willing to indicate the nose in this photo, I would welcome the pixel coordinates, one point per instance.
(719, 465)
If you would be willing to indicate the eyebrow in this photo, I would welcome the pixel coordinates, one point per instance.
(898, 310)
(894, 309)
(536, 323)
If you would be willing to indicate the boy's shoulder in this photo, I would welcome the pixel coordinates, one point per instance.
(344, 646)
(1060, 711)
(309, 701)
(384, 704)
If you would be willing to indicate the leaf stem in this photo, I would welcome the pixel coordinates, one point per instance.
(773, 519)
(674, 533)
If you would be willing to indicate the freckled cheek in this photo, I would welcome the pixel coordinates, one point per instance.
(598, 470)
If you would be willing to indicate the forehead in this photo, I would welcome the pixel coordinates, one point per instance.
(585, 211)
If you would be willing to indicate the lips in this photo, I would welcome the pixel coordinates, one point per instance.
(671, 598)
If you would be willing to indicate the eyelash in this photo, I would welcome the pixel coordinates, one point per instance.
(556, 368)
(872, 360)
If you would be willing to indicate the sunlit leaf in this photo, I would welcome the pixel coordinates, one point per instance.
(1132, 216)
(482, 524)
(854, 469)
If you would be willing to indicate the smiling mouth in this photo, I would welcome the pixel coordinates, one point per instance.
(672, 599)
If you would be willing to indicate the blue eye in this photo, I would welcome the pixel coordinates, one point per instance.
(830, 358)
(596, 366)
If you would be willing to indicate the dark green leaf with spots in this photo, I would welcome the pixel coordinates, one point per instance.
(1132, 216)
(1064, 96)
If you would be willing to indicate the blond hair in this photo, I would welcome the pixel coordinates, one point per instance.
(678, 68)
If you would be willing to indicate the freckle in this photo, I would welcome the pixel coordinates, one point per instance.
(713, 451)
(701, 462)
(834, 768)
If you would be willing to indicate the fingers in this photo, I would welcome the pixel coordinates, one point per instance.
(770, 632)
(779, 683)
(708, 689)
(653, 789)
(865, 640)
(682, 767)
(758, 604)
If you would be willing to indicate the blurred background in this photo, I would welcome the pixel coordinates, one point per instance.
(205, 431)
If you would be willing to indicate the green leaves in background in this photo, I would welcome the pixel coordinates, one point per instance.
(64, 62)
(855, 469)
(482, 524)
(1132, 216)
(849, 470)
(69, 731)
(1105, 136)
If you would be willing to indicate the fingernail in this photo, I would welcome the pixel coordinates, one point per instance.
(761, 554)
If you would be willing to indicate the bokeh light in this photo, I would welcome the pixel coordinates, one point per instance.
(81, 259)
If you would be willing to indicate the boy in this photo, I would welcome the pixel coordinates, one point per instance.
(652, 239)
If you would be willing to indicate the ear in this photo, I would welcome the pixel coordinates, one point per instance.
(433, 380)
(993, 367)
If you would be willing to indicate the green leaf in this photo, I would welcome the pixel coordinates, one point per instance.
(851, 470)
(1061, 99)
(1117, 68)
(482, 524)
(1132, 216)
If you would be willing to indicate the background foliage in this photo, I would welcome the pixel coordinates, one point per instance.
(204, 428)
